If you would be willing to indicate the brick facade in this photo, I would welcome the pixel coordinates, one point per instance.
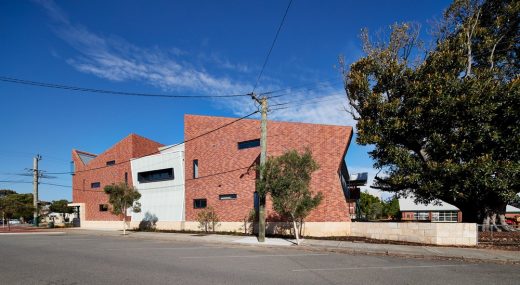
(224, 169)
(96, 170)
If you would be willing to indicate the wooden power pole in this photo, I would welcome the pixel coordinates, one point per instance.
(263, 156)
(36, 176)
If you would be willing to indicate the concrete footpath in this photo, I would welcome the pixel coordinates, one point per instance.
(429, 252)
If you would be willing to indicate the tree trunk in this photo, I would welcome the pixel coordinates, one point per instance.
(296, 232)
(124, 224)
(485, 224)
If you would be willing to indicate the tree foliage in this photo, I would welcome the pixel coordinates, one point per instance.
(16, 206)
(122, 197)
(446, 126)
(61, 206)
(286, 178)
(373, 208)
(5, 192)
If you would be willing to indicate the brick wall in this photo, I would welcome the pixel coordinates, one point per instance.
(132, 146)
(224, 169)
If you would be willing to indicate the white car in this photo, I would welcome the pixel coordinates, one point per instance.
(14, 222)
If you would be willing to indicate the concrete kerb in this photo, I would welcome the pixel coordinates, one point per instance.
(348, 247)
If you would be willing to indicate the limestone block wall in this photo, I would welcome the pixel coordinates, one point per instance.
(429, 233)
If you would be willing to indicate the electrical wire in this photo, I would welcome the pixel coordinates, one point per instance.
(111, 92)
(272, 46)
(311, 100)
(157, 151)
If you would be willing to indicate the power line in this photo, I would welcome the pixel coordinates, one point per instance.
(298, 87)
(272, 46)
(52, 184)
(311, 101)
(111, 92)
(157, 151)
(13, 181)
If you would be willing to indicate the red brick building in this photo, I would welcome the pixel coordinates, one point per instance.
(220, 166)
(93, 172)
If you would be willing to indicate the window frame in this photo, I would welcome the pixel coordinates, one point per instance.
(200, 206)
(94, 185)
(248, 144)
(226, 197)
(111, 162)
(195, 168)
(142, 179)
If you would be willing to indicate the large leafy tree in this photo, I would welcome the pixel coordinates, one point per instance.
(445, 125)
(122, 197)
(286, 178)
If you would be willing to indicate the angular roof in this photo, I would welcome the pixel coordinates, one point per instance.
(408, 205)
(512, 209)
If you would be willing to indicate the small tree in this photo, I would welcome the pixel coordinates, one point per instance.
(286, 179)
(123, 197)
(208, 219)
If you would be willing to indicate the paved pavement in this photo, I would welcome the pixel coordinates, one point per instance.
(81, 257)
(431, 252)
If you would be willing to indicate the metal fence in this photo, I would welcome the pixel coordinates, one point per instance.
(507, 236)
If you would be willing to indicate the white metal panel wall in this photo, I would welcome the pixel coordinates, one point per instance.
(164, 199)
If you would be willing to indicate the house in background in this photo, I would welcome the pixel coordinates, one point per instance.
(512, 212)
(433, 212)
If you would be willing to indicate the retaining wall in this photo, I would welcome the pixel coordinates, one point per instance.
(429, 233)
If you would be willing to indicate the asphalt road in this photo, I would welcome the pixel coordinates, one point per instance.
(94, 259)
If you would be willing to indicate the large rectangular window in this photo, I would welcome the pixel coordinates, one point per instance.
(155, 175)
(200, 203)
(195, 168)
(448, 216)
(249, 144)
(95, 185)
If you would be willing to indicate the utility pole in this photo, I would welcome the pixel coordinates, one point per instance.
(36, 176)
(263, 156)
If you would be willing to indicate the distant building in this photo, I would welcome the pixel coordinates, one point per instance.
(434, 212)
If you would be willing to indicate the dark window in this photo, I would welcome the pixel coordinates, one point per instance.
(126, 178)
(112, 162)
(103, 207)
(249, 144)
(227, 197)
(195, 168)
(95, 185)
(155, 175)
(200, 203)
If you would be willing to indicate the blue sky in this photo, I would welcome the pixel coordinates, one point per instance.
(171, 47)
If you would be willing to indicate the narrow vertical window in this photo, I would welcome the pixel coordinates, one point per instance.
(126, 178)
(195, 168)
